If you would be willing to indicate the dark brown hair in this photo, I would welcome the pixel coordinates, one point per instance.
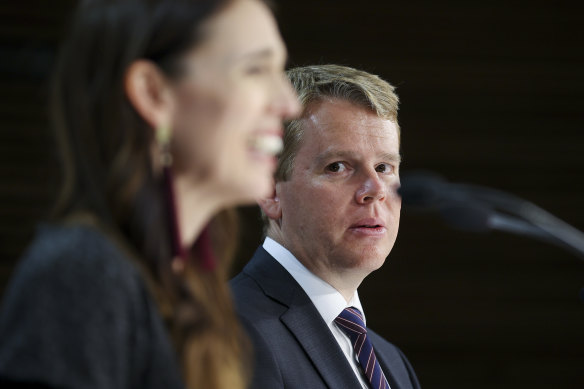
(107, 172)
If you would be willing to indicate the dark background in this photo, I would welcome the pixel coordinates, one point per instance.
(492, 93)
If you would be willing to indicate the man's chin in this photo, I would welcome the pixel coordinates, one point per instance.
(369, 262)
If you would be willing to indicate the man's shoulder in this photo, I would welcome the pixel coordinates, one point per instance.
(263, 291)
(243, 286)
(262, 278)
(252, 301)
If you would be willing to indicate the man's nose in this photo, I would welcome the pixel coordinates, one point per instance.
(372, 188)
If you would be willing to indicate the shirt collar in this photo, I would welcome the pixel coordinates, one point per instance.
(327, 300)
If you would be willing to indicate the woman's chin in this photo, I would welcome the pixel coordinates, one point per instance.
(247, 192)
(264, 190)
(259, 177)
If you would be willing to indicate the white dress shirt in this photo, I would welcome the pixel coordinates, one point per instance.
(327, 300)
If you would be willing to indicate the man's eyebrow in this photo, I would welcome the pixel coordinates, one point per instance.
(391, 157)
(345, 154)
(329, 154)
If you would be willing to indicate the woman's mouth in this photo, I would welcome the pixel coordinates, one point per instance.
(266, 143)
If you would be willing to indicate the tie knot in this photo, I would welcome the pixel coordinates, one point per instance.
(351, 321)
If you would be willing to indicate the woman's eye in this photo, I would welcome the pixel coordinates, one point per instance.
(336, 167)
(256, 70)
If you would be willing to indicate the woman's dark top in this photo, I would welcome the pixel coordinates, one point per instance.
(77, 314)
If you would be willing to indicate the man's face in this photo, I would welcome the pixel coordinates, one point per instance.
(340, 210)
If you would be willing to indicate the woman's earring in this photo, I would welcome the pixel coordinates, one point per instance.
(179, 255)
(203, 245)
(163, 141)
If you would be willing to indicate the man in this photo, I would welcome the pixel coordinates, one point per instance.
(332, 219)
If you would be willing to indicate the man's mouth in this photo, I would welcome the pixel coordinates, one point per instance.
(368, 227)
(372, 222)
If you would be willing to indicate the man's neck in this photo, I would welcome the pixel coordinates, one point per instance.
(345, 281)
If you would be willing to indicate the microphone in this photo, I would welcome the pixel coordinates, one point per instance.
(476, 218)
(481, 209)
(422, 189)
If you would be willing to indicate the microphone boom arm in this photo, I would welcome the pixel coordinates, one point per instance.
(478, 208)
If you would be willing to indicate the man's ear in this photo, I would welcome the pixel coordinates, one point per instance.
(271, 205)
(149, 93)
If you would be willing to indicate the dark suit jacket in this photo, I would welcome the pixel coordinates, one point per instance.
(293, 346)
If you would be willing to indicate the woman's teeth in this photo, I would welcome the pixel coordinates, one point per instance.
(268, 144)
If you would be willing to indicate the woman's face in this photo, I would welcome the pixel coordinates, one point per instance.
(231, 104)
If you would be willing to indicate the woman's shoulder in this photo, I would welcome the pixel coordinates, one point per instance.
(77, 303)
(73, 250)
(77, 260)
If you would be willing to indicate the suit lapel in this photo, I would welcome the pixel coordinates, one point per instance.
(386, 360)
(393, 384)
(303, 321)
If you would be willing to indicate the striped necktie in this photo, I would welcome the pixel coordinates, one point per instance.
(351, 322)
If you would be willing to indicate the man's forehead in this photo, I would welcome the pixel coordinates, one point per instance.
(325, 143)
(331, 125)
(335, 114)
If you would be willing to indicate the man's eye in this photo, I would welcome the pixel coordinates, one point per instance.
(336, 167)
(383, 168)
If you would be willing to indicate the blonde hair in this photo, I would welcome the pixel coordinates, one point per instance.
(318, 82)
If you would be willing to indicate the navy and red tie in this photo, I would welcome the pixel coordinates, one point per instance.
(351, 322)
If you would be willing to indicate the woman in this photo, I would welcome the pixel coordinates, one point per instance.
(166, 111)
